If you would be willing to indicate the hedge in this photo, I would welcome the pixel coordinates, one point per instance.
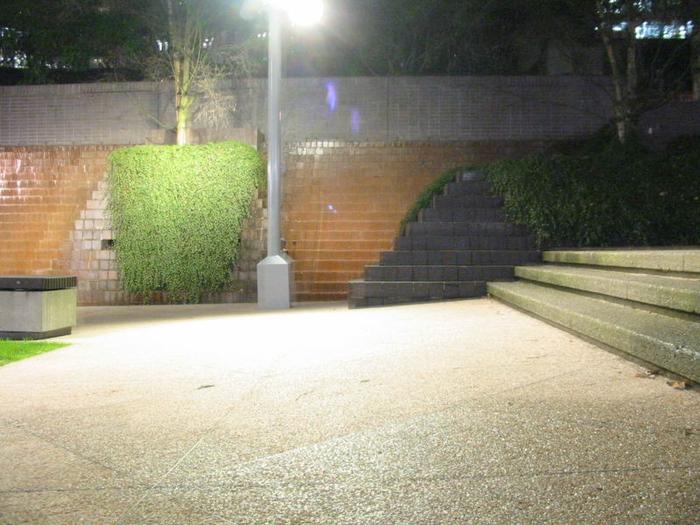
(597, 193)
(178, 213)
(601, 193)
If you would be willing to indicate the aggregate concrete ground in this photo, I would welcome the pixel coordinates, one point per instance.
(460, 412)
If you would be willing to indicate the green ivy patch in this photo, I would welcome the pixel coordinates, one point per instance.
(178, 213)
(425, 199)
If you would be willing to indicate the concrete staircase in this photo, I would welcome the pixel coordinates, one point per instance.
(642, 302)
(456, 246)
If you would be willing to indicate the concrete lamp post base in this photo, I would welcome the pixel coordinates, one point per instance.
(275, 282)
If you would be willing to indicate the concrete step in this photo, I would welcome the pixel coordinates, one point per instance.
(435, 228)
(438, 273)
(471, 187)
(471, 175)
(377, 293)
(460, 257)
(665, 340)
(676, 293)
(466, 201)
(672, 260)
(475, 242)
(462, 215)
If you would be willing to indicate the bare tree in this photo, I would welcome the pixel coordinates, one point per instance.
(636, 88)
(695, 49)
(196, 49)
(619, 17)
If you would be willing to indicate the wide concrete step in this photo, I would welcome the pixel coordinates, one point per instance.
(668, 340)
(462, 215)
(377, 293)
(466, 201)
(667, 291)
(464, 228)
(473, 242)
(672, 260)
(460, 257)
(438, 273)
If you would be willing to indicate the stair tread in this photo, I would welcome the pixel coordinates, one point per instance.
(632, 275)
(414, 282)
(664, 339)
(438, 266)
(670, 291)
(669, 259)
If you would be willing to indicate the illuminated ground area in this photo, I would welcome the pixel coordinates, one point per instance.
(441, 413)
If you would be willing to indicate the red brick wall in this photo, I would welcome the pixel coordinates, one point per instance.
(342, 206)
(99, 280)
(54, 218)
(42, 190)
(343, 202)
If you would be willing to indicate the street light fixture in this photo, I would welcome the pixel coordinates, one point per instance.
(275, 272)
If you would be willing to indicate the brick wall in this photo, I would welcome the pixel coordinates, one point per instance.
(53, 220)
(42, 191)
(343, 202)
(351, 109)
(88, 254)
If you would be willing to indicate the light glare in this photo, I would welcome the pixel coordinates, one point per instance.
(301, 12)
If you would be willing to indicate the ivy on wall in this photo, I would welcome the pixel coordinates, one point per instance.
(178, 213)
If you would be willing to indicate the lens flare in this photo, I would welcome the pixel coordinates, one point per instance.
(331, 96)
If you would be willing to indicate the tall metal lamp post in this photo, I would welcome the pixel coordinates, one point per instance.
(275, 272)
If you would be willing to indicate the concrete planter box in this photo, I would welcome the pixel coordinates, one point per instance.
(37, 307)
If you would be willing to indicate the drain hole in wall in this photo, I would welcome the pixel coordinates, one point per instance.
(107, 244)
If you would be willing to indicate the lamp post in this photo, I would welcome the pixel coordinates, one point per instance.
(275, 272)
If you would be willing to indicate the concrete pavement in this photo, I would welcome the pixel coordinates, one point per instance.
(461, 412)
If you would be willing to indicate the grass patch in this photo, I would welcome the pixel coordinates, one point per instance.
(11, 351)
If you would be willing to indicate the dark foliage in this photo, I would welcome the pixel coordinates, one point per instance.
(601, 193)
